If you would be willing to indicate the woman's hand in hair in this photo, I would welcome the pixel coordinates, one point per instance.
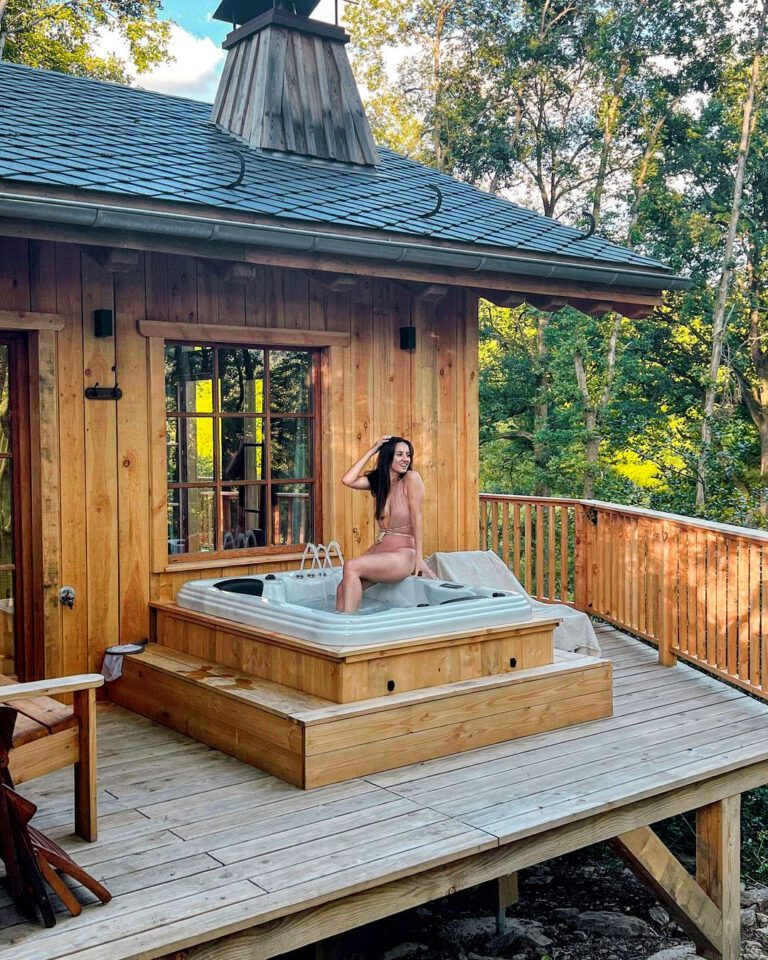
(381, 441)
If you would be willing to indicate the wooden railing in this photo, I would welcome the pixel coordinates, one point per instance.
(698, 590)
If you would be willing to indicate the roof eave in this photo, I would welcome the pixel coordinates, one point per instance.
(312, 241)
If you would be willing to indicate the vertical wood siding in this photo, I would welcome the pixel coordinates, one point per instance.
(96, 468)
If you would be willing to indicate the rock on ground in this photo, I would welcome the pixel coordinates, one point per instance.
(608, 924)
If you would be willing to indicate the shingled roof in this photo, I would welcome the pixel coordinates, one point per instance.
(69, 132)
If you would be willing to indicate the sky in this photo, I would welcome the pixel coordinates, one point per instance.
(196, 46)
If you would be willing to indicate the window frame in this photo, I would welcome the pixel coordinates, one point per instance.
(157, 334)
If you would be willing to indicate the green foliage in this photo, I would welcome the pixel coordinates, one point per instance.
(63, 35)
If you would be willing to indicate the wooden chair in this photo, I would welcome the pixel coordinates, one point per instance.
(33, 862)
(49, 735)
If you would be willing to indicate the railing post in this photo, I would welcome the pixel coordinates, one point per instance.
(667, 596)
(581, 556)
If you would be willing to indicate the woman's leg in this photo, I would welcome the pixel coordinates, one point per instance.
(383, 567)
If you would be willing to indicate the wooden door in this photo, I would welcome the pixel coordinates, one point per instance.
(19, 655)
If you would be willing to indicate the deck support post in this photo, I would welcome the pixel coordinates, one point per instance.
(688, 903)
(507, 894)
(718, 859)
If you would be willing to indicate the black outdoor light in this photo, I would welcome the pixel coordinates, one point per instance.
(407, 338)
(102, 323)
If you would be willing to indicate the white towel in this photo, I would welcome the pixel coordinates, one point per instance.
(483, 568)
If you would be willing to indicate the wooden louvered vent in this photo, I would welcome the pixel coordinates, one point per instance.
(288, 84)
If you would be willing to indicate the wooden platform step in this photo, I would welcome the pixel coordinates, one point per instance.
(311, 742)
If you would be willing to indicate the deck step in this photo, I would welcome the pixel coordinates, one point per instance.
(310, 741)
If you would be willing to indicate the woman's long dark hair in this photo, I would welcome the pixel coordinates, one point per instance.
(379, 476)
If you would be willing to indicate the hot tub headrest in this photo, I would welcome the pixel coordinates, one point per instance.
(251, 586)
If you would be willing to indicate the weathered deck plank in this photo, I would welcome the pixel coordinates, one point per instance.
(196, 845)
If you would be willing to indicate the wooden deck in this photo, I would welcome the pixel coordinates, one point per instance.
(197, 846)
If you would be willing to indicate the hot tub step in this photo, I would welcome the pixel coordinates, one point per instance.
(310, 741)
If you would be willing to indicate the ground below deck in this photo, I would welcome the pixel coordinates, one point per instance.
(195, 845)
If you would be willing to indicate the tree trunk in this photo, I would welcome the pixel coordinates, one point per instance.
(641, 177)
(437, 140)
(719, 322)
(3, 26)
(594, 411)
(541, 413)
(609, 128)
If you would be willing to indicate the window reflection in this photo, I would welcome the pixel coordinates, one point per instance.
(191, 520)
(290, 381)
(291, 448)
(244, 513)
(189, 443)
(240, 427)
(241, 380)
(243, 453)
(188, 379)
(292, 518)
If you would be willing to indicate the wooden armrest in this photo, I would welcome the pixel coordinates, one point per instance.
(50, 688)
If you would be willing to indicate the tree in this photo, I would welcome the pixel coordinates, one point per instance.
(63, 35)
(719, 317)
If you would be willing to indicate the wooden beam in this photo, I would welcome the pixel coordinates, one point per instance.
(670, 882)
(718, 849)
(335, 282)
(508, 894)
(503, 298)
(594, 308)
(30, 320)
(236, 272)
(339, 264)
(115, 259)
(268, 336)
(425, 292)
(547, 303)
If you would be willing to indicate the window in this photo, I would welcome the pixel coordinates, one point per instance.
(241, 447)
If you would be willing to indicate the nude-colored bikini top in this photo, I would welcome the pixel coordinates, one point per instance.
(399, 519)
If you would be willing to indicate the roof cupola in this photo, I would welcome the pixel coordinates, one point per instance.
(288, 85)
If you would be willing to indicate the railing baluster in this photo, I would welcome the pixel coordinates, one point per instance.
(528, 544)
(754, 615)
(743, 672)
(495, 526)
(505, 532)
(732, 662)
(516, 539)
(551, 577)
(564, 591)
(540, 550)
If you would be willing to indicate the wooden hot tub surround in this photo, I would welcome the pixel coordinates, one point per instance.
(315, 716)
(352, 673)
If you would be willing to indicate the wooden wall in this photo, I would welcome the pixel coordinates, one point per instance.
(95, 466)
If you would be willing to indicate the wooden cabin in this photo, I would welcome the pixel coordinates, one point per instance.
(207, 314)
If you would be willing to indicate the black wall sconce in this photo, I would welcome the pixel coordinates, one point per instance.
(102, 323)
(407, 338)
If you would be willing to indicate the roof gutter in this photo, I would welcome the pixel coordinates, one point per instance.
(302, 240)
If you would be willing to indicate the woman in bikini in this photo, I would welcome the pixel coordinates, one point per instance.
(399, 493)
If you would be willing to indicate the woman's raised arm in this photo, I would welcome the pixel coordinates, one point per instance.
(354, 476)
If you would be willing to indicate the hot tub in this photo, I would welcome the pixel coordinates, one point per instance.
(301, 605)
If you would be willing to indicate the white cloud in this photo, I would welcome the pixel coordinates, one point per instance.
(194, 72)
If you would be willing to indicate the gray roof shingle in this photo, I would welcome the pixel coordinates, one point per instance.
(83, 133)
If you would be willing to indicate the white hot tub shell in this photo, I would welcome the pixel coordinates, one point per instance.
(300, 605)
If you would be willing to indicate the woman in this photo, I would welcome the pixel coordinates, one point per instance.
(399, 493)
